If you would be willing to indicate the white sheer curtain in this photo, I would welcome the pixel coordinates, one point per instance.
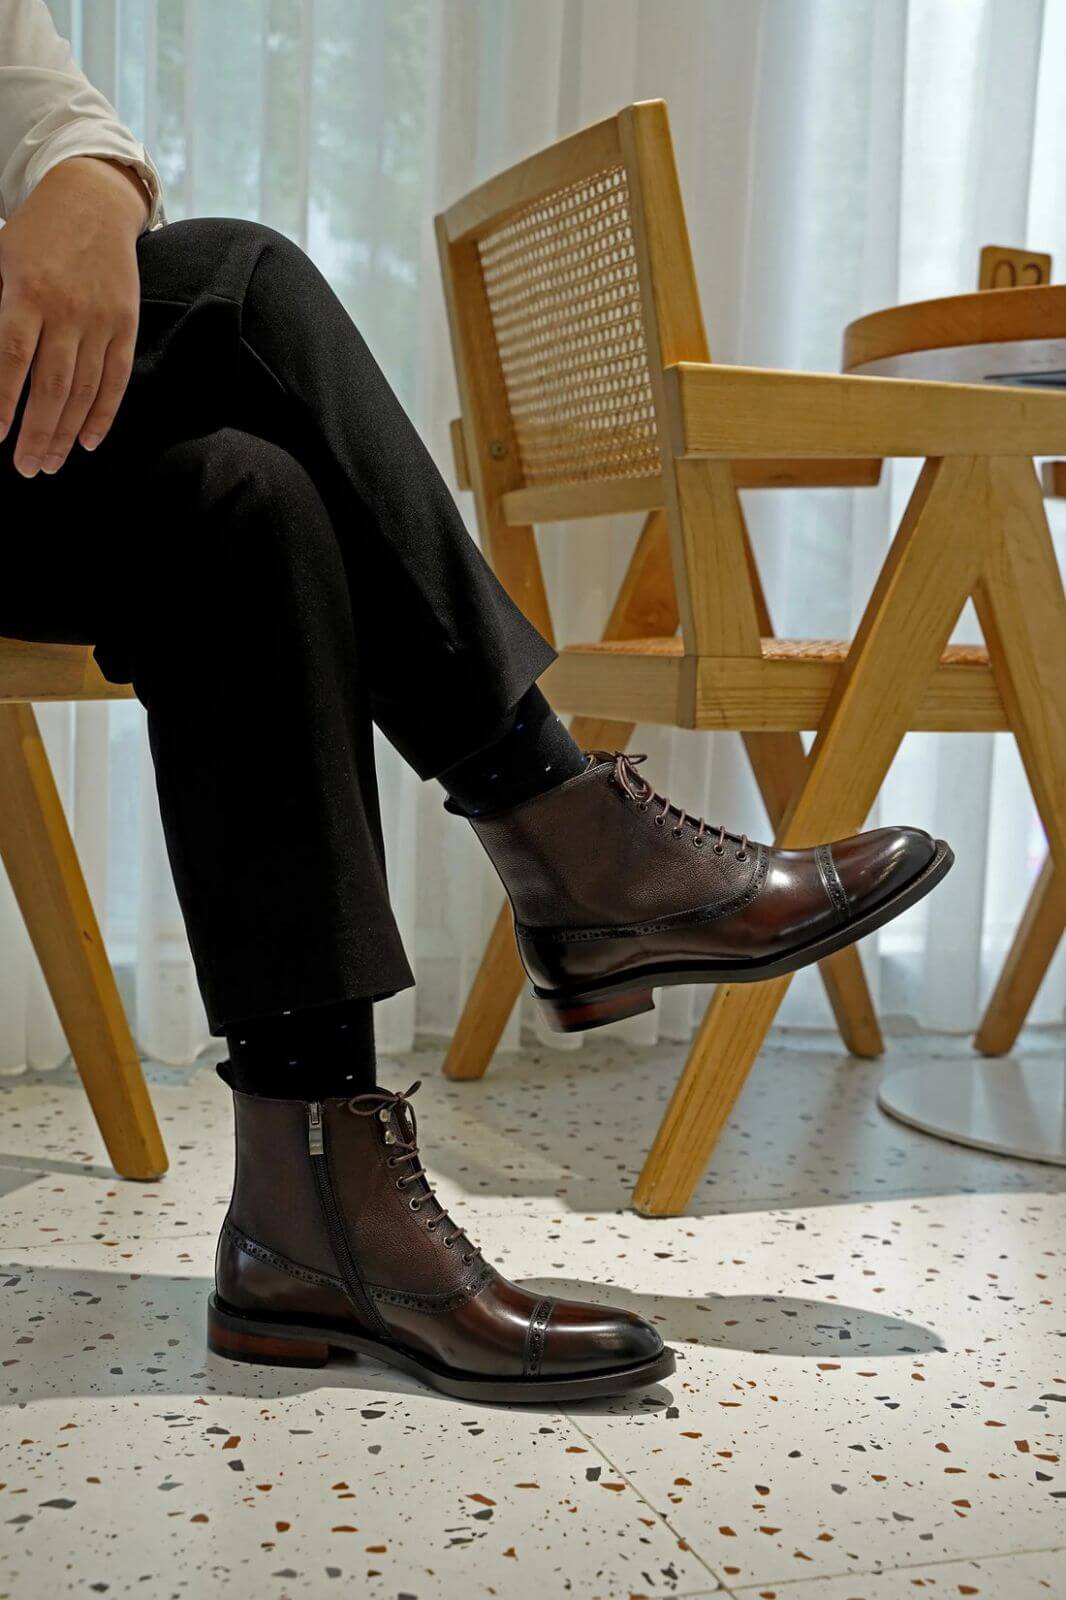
(836, 156)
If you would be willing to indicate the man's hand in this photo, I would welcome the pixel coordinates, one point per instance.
(69, 300)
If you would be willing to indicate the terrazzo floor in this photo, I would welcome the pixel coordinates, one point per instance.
(869, 1400)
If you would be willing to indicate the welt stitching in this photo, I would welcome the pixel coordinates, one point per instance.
(271, 1258)
(431, 1303)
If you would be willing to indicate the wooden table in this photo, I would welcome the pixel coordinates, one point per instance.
(1015, 336)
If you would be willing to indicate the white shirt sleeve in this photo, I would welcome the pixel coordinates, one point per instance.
(49, 111)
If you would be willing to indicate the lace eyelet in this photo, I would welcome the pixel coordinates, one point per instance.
(432, 1224)
(697, 842)
(415, 1204)
(677, 832)
(642, 805)
(660, 822)
(467, 1260)
(401, 1183)
(719, 849)
(741, 856)
(391, 1162)
(449, 1244)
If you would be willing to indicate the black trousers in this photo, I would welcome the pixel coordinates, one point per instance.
(264, 548)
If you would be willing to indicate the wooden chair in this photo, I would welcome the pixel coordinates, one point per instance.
(647, 605)
(586, 389)
(42, 865)
(1042, 925)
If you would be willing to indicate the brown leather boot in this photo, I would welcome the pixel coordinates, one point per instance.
(617, 892)
(335, 1240)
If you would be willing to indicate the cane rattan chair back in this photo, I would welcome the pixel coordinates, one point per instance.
(563, 290)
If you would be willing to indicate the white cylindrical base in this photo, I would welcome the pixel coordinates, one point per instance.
(1016, 1108)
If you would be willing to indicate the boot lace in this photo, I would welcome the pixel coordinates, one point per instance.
(639, 790)
(401, 1135)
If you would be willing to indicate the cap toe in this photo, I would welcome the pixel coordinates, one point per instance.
(589, 1338)
(874, 866)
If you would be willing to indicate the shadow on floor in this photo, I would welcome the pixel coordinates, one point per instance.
(765, 1324)
(74, 1332)
(807, 1131)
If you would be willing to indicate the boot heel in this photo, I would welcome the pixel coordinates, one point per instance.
(575, 1013)
(240, 1340)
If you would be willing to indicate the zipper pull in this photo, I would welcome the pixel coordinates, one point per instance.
(314, 1128)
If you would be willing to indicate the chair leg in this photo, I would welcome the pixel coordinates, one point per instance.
(1022, 610)
(42, 864)
(1023, 972)
(729, 1039)
(489, 1004)
(646, 604)
(779, 761)
(495, 990)
(919, 593)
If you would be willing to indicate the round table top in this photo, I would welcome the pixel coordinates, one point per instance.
(1015, 336)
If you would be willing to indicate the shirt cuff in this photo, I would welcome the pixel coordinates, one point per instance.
(90, 139)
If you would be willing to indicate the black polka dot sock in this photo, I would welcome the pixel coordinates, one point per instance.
(533, 752)
(305, 1055)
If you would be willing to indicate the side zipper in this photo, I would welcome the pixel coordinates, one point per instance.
(335, 1228)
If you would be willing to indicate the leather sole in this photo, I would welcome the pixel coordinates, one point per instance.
(615, 998)
(290, 1344)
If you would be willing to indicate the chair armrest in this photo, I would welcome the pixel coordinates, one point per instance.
(740, 413)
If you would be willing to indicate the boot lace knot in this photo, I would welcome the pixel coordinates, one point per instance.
(400, 1132)
(637, 788)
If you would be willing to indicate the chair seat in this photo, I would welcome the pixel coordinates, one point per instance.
(785, 689)
(34, 671)
(824, 650)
